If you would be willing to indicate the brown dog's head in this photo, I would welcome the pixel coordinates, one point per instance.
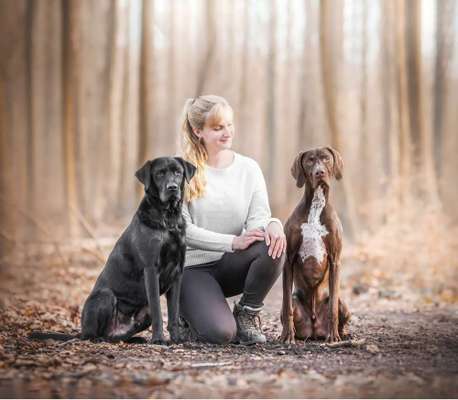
(317, 167)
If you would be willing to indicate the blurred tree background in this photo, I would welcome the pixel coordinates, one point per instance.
(90, 89)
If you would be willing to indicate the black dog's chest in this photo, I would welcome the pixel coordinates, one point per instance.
(171, 258)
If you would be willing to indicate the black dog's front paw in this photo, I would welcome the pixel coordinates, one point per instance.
(159, 340)
(176, 336)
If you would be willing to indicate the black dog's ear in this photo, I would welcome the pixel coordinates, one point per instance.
(297, 170)
(189, 169)
(338, 163)
(144, 175)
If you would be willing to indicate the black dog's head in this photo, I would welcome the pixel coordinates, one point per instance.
(164, 177)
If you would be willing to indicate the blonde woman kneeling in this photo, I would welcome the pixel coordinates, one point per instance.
(233, 245)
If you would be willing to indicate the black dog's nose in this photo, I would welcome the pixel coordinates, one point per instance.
(172, 187)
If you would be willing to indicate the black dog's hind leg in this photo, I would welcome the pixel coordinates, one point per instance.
(99, 313)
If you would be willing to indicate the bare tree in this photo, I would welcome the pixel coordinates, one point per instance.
(445, 12)
(146, 108)
(71, 13)
(271, 92)
(328, 80)
(171, 78)
(419, 132)
(211, 35)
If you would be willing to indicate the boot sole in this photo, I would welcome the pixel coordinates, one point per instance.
(251, 342)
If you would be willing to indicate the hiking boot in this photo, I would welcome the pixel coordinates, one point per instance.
(248, 324)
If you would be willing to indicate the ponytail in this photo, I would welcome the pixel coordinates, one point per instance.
(195, 114)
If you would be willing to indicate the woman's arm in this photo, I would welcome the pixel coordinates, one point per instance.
(259, 215)
(204, 239)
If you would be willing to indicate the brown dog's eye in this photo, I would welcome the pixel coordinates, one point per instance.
(310, 160)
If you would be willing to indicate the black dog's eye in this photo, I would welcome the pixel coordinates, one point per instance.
(177, 173)
(160, 174)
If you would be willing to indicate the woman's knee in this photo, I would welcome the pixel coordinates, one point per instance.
(271, 264)
(219, 333)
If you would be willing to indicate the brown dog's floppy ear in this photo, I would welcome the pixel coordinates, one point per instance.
(297, 170)
(189, 169)
(338, 163)
(144, 175)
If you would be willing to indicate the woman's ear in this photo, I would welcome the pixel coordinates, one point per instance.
(338, 163)
(144, 175)
(297, 170)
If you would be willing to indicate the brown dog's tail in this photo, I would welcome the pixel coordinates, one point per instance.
(63, 337)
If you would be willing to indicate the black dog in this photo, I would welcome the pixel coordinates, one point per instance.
(146, 262)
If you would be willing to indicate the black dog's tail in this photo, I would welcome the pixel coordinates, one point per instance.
(64, 337)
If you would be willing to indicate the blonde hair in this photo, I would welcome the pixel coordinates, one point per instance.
(196, 112)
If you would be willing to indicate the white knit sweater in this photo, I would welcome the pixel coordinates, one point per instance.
(235, 199)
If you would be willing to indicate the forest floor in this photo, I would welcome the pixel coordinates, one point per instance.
(405, 343)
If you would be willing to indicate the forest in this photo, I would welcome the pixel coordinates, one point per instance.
(91, 89)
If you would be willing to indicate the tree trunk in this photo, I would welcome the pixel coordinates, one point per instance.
(146, 128)
(71, 13)
(329, 84)
(445, 11)
(425, 178)
(169, 145)
(403, 103)
(271, 97)
(207, 61)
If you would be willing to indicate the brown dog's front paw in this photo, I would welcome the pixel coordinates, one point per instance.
(333, 336)
(288, 334)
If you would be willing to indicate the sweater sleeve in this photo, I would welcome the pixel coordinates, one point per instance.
(205, 239)
(259, 215)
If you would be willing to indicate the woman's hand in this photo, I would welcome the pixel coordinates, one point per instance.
(275, 239)
(247, 239)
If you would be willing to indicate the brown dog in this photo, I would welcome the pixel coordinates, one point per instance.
(314, 237)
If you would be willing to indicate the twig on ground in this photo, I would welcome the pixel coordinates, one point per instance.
(345, 343)
(208, 364)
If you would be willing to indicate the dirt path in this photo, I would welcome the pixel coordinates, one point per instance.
(401, 349)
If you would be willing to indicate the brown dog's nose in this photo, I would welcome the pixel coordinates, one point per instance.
(319, 173)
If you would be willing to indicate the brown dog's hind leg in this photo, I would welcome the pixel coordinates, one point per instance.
(322, 322)
(344, 318)
(302, 320)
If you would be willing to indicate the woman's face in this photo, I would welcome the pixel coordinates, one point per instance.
(217, 134)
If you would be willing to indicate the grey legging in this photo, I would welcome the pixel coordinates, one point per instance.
(203, 305)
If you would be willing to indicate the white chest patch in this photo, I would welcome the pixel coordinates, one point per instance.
(313, 231)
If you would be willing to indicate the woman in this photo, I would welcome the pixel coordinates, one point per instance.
(234, 246)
